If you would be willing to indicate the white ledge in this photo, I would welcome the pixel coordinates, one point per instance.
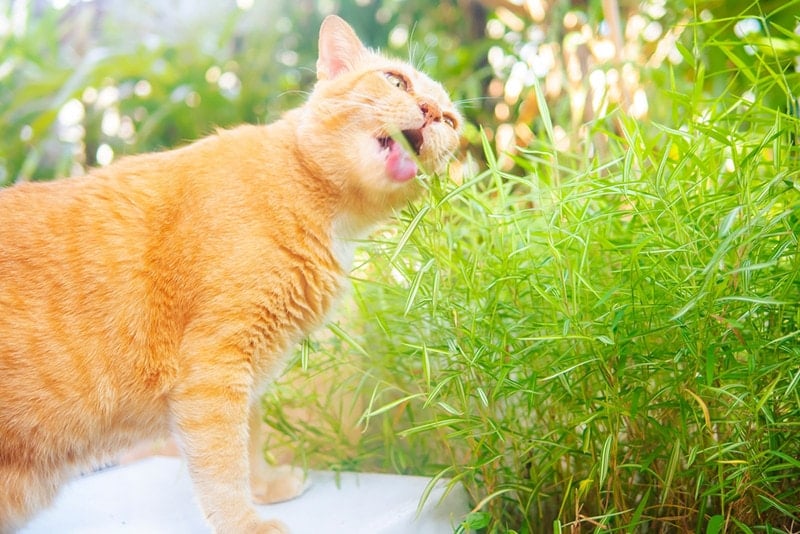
(154, 496)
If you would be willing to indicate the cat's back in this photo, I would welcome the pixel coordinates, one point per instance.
(70, 267)
(119, 213)
(66, 231)
(115, 263)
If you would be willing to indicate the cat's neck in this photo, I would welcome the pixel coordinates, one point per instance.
(354, 215)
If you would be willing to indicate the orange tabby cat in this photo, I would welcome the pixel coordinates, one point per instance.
(158, 294)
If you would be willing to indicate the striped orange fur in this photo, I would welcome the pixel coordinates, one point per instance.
(160, 293)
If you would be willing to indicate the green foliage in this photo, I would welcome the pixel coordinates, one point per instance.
(604, 340)
(139, 76)
(135, 92)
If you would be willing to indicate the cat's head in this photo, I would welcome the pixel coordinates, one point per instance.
(372, 122)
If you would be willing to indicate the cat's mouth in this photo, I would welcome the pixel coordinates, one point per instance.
(414, 139)
(400, 165)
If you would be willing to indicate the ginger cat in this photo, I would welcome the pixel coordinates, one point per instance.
(160, 293)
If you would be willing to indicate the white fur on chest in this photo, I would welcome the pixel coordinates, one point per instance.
(344, 251)
(343, 243)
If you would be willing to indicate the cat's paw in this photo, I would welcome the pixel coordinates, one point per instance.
(276, 484)
(269, 527)
(252, 524)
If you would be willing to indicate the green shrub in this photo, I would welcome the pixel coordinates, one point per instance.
(600, 341)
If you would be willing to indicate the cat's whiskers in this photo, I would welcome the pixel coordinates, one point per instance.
(469, 102)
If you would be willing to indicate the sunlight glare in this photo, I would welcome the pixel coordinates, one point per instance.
(105, 154)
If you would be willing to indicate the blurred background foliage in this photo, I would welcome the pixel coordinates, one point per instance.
(591, 323)
(82, 82)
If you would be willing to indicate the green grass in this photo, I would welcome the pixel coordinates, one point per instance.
(589, 342)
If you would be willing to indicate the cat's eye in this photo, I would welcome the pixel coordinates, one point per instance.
(449, 120)
(397, 80)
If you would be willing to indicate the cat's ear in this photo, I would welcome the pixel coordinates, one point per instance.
(340, 49)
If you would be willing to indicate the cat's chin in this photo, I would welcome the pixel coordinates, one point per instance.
(400, 165)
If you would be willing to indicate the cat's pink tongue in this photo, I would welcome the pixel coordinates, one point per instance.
(399, 165)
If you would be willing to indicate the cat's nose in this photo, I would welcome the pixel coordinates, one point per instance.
(430, 110)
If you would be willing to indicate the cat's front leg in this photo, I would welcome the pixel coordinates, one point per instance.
(210, 412)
